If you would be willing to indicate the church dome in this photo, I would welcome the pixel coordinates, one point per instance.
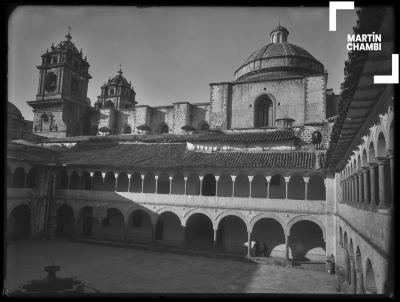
(13, 112)
(278, 59)
(66, 45)
(119, 79)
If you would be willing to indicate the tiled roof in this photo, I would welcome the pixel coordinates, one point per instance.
(200, 136)
(29, 152)
(139, 155)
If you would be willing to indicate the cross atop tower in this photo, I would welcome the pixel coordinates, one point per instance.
(120, 69)
(68, 36)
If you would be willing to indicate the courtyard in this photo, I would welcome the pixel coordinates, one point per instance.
(110, 269)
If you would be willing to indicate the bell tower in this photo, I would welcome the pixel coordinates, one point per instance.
(61, 107)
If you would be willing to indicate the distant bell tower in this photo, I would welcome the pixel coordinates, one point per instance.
(61, 107)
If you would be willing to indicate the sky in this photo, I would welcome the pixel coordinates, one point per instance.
(170, 54)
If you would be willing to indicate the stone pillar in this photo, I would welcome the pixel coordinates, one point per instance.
(116, 181)
(287, 178)
(360, 281)
(183, 244)
(153, 233)
(355, 177)
(156, 177)
(142, 177)
(287, 247)
(360, 187)
(91, 180)
(306, 180)
(233, 177)
(248, 244)
(103, 176)
(365, 182)
(201, 185)
(353, 276)
(268, 178)
(391, 162)
(250, 184)
(216, 185)
(170, 185)
(353, 194)
(382, 182)
(185, 179)
(215, 241)
(129, 182)
(372, 183)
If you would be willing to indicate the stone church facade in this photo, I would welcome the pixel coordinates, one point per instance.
(264, 161)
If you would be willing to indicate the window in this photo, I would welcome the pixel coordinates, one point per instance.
(164, 129)
(263, 112)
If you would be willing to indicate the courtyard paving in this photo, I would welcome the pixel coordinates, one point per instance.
(126, 270)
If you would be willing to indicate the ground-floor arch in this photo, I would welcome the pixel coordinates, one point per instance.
(370, 282)
(87, 221)
(199, 232)
(269, 235)
(140, 227)
(232, 235)
(112, 226)
(307, 241)
(169, 230)
(65, 221)
(19, 223)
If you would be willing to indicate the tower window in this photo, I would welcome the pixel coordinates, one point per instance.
(164, 129)
(263, 112)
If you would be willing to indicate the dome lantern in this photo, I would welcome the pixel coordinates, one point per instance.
(279, 34)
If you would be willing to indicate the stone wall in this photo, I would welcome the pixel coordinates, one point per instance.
(219, 99)
(315, 105)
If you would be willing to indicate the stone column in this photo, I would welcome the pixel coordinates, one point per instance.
(103, 176)
(391, 162)
(382, 182)
(91, 180)
(287, 178)
(355, 177)
(360, 281)
(129, 182)
(201, 185)
(170, 185)
(116, 181)
(250, 184)
(372, 166)
(353, 276)
(353, 194)
(156, 177)
(268, 178)
(365, 182)
(215, 241)
(142, 177)
(216, 185)
(360, 187)
(153, 233)
(306, 180)
(287, 247)
(183, 245)
(185, 179)
(248, 244)
(233, 177)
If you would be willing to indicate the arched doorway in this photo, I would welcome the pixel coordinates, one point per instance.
(74, 181)
(122, 182)
(296, 187)
(307, 242)
(316, 188)
(232, 235)
(209, 185)
(259, 187)
(169, 230)
(62, 180)
(87, 221)
(370, 283)
(277, 187)
(225, 186)
(140, 228)
(193, 185)
(19, 223)
(149, 183)
(113, 226)
(263, 112)
(270, 236)
(97, 181)
(86, 181)
(109, 182)
(19, 178)
(65, 221)
(242, 186)
(136, 183)
(199, 233)
(178, 184)
(31, 178)
(163, 184)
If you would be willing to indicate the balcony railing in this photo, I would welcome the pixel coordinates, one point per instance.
(311, 206)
